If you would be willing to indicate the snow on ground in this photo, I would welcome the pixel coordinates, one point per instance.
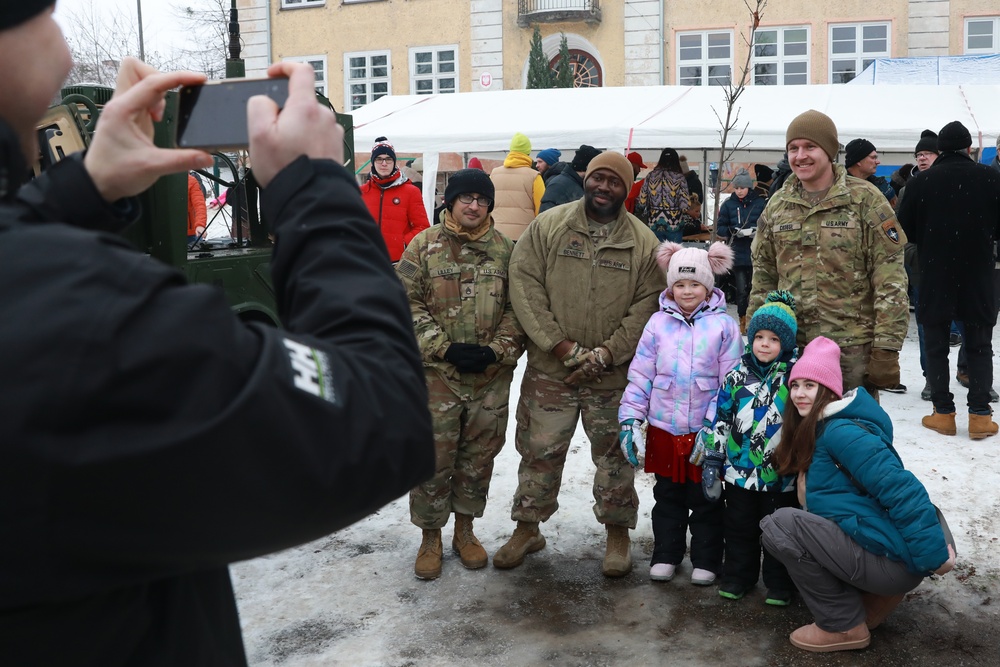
(351, 598)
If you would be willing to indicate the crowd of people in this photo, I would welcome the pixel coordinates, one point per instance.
(151, 437)
(626, 330)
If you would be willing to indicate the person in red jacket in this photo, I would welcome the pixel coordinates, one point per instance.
(197, 213)
(396, 204)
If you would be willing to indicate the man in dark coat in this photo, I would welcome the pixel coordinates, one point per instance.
(567, 186)
(148, 437)
(952, 212)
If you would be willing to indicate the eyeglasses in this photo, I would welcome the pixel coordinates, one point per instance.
(383, 160)
(485, 202)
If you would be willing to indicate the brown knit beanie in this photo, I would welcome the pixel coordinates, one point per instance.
(816, 127)
(616, 162)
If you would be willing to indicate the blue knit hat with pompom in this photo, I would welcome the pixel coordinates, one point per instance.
(777, 315)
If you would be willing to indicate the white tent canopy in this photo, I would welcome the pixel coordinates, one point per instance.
(652, 117)
(931, 70)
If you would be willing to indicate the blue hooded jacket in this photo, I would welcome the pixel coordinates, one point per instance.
(895, 518)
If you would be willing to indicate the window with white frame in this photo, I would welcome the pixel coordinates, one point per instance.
(298, 4)
(366, 77)
(434, 69)
(781, 56)
(319, 65)
(704, 58)
(982, 34)
(855, 46)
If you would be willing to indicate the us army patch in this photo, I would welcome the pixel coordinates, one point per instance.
(407, 268)
(612, 264)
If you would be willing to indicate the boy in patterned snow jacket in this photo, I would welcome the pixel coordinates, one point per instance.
(744, 435)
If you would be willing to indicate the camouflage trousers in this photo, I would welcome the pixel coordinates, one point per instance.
(468, 435)
(853, 366)
(547, 414)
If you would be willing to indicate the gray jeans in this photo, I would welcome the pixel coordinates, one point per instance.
(829, 568)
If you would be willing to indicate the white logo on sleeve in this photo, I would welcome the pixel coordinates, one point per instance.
(312, 370)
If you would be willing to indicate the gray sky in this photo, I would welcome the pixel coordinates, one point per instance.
(157, 19)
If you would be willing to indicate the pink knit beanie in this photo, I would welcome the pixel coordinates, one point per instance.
(820, 362)
(680, 263)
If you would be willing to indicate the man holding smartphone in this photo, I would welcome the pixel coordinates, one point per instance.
(148, 438)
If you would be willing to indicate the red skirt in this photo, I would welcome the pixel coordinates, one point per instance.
(667, 455)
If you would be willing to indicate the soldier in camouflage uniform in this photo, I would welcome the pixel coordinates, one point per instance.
(833, 241)
(584, 281)
(456, 277)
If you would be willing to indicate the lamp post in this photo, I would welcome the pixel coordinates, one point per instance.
(142, 48)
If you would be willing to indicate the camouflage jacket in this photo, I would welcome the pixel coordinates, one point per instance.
(563, 287)
(842, 259)
(459, 293)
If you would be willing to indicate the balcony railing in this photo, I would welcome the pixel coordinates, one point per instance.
(557, 11)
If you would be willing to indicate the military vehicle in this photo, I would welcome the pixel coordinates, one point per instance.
(238, 264)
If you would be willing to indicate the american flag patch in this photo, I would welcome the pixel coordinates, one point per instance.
(407, 268)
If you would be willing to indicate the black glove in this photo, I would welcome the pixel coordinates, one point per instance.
(469, 357)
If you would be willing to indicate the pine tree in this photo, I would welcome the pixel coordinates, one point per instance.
(564, 68)
(539, 74)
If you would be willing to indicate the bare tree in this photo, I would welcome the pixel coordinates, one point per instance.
(731, 95)
(208, 21)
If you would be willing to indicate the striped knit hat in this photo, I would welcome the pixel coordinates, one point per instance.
(777, 315)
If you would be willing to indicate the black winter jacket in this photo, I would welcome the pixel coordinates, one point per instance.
(565, 187)
(951, 212)
(148, 438)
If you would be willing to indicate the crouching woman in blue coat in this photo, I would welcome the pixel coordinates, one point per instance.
(867, 532)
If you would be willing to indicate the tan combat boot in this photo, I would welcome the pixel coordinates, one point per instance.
(525, 540)
(981, 426)
(465, 544)
(618, 557)
(743, 325)
(942, 423)
(428, 564)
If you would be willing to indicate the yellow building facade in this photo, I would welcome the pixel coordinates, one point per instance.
(366, 49)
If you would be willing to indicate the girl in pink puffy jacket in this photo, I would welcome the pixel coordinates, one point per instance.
(686, 350)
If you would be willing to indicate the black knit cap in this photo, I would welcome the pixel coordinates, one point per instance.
(383, 147)
(954, 137)
(468, 181)
(856, 151)
(928, 142)
(16, 12)
(583, 157)
(763, 173)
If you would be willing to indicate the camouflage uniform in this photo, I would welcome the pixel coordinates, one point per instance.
(565, 287)
(842, 259)
(458, 294)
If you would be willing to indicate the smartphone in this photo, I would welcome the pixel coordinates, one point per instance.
(213, 116)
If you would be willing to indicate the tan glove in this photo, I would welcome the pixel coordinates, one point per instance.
(883, 368)
(594, 363)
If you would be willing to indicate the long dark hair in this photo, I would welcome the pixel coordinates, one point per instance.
(798, 434)
(670, 161)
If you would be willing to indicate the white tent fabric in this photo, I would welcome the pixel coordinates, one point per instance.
(651, 117)
(932, 70)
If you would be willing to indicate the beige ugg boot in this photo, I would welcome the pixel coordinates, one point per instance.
(525, 540)
(813, 638)
(428, 565)
(465, 544)
(743, 325)
(618, 556)
(878, 607)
